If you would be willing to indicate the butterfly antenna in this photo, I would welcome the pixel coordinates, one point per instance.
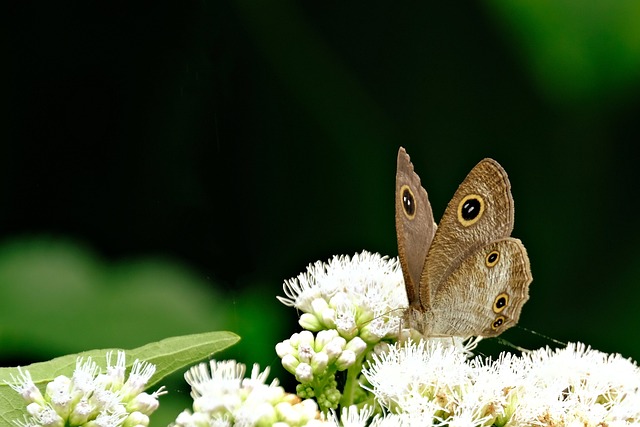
(512, 345)
(542, 335)
(381, 315)
(400, 324)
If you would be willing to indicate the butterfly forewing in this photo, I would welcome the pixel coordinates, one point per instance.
(480, 212)
(414, 225)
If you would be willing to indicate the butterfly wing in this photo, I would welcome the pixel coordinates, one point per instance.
(484, 294)
(415, 227)
(481, 211)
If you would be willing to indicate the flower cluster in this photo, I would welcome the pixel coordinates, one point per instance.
(360, 296)
(430, 384)
(223, 397)
(353, 304)
(303, 355)
(314, 361)
(90, 397)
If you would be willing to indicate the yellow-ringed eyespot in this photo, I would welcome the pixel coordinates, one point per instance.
(501, 302)
(492, 258)
(470, 209)
(499, 321)
(408, 201)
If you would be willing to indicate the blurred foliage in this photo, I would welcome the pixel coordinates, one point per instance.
(49, 284)
(247, 139)
(59, 298)
(578, 52)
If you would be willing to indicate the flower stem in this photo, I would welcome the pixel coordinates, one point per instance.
(352, 384)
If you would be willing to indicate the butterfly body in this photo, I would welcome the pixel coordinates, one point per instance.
(467, 276)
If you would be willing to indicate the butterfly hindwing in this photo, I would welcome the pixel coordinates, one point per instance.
(485, 293)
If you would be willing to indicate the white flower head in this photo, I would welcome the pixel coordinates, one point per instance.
(577, 384)
(418, 373)
(24, 385)
(361, 296)
(440, 385)
(352, 416)
(89, 397)
(308, 357)
(224, 397)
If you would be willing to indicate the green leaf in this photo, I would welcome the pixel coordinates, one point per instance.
(169, 355)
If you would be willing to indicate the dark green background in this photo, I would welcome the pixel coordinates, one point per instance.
(243, 140)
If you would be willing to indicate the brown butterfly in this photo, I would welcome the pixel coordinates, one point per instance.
(467, 276)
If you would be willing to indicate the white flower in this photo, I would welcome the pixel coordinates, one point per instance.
(430, 384)
(89, 397)
(359, 296)
(425, 377)
(351, 416)
(397, 420)
(223, 397)
(580, 385)
(307, 356)
(24, 385)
